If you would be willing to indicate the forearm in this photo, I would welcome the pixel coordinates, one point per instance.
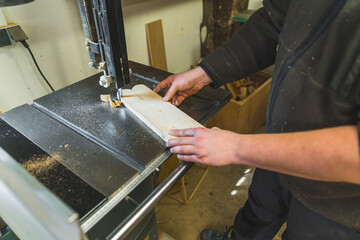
(251, 48)
(330, 154)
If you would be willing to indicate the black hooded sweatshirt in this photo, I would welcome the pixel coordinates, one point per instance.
(315, 46)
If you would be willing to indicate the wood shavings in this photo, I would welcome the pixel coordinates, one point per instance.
(112, 104)
(242, 88)
(115, 103)
(40, 165)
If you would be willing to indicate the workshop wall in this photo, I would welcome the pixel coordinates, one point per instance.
(255, 4)
(57, 41)
(181, 25)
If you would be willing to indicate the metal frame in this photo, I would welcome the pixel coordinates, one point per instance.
(122, 193)
(150, 202)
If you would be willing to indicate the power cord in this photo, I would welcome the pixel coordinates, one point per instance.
(24, 43)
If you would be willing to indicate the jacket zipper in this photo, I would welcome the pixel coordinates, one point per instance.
(313, 36)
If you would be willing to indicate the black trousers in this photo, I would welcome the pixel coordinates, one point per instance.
(270, 204)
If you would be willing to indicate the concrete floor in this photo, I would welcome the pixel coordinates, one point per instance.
(214, 205)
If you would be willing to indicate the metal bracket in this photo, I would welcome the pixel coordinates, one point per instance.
(105, 81)
(150, 202)
(92, 46)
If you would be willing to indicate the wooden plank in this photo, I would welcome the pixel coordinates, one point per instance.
(160, 116)
(243, 93)
(156, 45)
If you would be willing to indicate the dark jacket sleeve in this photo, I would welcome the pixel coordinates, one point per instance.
(251, 48)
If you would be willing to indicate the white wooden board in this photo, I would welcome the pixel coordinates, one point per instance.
(160, 116)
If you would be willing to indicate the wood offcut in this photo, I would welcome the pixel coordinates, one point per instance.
(242, 89)
(114, 103)
(105, 98)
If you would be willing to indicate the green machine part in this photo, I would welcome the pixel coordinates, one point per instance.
(4, 38)
(7, 234)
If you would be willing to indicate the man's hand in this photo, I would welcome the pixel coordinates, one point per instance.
(214, 146)
(183, 85)
(329, 154)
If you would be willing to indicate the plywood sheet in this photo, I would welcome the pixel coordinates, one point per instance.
(160, 116)
(156, 45)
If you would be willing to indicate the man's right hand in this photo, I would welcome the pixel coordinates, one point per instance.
(183, 85)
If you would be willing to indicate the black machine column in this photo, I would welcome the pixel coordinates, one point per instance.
(103, 26)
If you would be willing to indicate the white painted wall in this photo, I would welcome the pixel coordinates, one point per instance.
(2, 19)
(56, 39)
(181, 24)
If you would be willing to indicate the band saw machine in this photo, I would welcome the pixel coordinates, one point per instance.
(71, 167)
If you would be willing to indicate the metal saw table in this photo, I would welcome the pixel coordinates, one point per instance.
(103, 156)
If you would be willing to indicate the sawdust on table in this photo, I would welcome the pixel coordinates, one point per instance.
(40, 165)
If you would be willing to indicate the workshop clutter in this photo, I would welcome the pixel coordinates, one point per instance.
(246, 111)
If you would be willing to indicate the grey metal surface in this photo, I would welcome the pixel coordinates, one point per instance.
(118, 130)
(70, 188)
(115, 129)
(118, 196)
(31, 210)
(150, 202)
(105, 147)
(102, 170)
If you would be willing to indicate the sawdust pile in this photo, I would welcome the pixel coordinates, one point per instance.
(40, 165)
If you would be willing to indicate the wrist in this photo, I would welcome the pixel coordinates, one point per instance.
(242, 149)
(202, 76)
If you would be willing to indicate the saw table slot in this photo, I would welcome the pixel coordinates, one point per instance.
(115, 129)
